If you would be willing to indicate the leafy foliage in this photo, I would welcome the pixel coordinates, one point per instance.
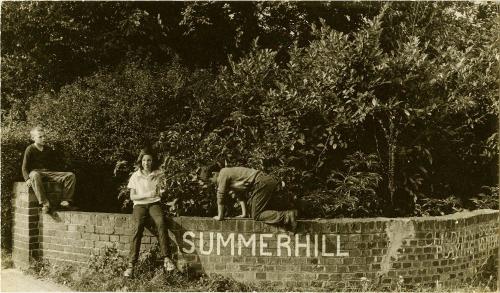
(353, 190)
(108, 117)
(379, 109)
(15, 139)
(437, 206)
(48, 45)
(103, 114)
(487, 199)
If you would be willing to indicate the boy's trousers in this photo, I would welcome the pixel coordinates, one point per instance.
(140, 215)
(263, 202)
(68, 180)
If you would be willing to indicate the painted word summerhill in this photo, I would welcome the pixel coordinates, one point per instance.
(263, 244)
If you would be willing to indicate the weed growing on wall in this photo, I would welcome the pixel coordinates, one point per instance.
(104, 273)
(6, 259)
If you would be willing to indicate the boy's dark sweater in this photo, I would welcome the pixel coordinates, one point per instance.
(36, 159)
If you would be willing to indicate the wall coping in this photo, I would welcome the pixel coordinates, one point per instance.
(454, 216)
(458, 215)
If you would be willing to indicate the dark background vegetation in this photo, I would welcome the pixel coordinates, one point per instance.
(361, 109)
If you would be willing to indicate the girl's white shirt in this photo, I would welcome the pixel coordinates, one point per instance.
(145, 186)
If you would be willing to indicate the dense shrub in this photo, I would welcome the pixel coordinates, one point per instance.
(101, 116)
(487, 198)
(15, 139)
(353, 190)
(437, 206)
(404, 104)
(107, 117)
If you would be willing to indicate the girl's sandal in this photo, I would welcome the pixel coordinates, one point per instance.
(168, 265)
(129, 272)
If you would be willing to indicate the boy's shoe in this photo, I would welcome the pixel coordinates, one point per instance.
(168, 264)
(129, 272)
(66, 206)
(46, 209)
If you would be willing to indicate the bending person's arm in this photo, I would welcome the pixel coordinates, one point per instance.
(220, 212)
(243, 206)
(223, 183)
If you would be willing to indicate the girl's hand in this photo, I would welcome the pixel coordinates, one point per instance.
(218, 218)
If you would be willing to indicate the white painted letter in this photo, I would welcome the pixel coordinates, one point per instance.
(209, 251)
(338, 248)
(306, 245)
(323, 247)
(284, 244)
(316, 245)
(264, 245)
(220, 241)
(251, 241)
(188, 241)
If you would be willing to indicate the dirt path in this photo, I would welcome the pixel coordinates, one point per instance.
(13, 280)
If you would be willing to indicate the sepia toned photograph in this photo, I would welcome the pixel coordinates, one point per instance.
(249, 146)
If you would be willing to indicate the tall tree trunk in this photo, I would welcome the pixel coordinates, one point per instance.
(391, 137)
(392, 143)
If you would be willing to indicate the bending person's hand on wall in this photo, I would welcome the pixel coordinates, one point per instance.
(220, 212)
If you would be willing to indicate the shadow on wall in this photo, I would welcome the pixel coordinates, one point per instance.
(185, 262)
(96, 189)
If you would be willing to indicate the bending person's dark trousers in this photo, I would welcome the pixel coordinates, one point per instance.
(140, 215)
(262, 202)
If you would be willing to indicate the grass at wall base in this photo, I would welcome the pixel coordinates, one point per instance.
(104, 273)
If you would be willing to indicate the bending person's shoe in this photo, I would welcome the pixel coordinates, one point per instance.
(67, 206)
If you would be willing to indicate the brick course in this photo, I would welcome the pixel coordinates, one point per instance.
(324, 253)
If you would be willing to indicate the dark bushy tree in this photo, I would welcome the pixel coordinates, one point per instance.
(371, 84)
(46, 45)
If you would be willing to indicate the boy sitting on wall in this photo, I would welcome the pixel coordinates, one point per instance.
(37, 162)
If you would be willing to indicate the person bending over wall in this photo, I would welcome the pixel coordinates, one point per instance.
(255, 192)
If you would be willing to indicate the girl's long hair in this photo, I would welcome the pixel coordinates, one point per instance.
(149, 152)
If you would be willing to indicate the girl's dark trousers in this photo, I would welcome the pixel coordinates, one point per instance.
(140, 215)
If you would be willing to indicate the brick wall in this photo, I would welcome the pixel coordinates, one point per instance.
(335, 253)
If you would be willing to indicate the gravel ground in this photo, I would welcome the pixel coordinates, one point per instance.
(13, 280)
